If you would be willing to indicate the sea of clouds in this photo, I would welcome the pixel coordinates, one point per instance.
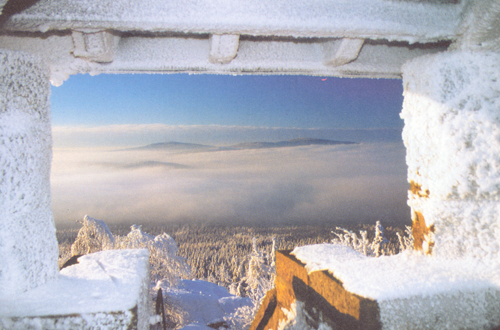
(309, 184)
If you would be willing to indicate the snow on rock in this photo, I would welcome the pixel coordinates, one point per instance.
(202, 302)
(452, 136)
(399, 276)
(414, 290)
(28, 245)
(113, 281)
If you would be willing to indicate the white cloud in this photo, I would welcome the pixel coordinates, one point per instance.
(303, 184)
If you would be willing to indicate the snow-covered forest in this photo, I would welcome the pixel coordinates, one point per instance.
(216, 274)
(209, 249)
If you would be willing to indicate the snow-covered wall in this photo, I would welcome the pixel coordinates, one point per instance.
(452, 135)
(28, 245)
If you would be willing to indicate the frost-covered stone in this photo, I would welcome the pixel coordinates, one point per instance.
(452, 136)
(28, 245)
(412, 291)
(452, 125)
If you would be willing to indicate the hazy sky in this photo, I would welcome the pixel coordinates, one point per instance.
(366, 182)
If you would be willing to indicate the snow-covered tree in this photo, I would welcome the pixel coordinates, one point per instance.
(379, 244)
(165, 264)
(376, 248)
(351, 239)
(259, 279)
(406, 242)
(94, 236)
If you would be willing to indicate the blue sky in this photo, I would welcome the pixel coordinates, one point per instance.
(261, 101)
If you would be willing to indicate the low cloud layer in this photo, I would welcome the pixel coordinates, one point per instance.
(345, 183)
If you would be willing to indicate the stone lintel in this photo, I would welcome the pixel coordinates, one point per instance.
(413, 21)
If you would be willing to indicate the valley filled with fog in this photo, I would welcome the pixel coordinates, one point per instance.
(308, 184)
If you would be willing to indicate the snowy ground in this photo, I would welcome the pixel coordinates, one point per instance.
(203, 302)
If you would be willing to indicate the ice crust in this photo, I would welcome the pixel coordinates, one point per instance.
(414, 291)
(452, 136)
(28, 245)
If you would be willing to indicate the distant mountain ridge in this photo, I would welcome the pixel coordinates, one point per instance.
(287, 143)
(173, 146)
(180, 146)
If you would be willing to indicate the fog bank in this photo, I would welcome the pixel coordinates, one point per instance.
(310, 184)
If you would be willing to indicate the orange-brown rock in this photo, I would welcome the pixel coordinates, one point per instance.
(416, 189)
(324, 296)
(419, 228)
(419, 231)
(267, 313)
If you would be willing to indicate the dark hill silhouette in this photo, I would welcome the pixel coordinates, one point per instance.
(152, 163)
(288, 143)
(180, 146)
(192, 147)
